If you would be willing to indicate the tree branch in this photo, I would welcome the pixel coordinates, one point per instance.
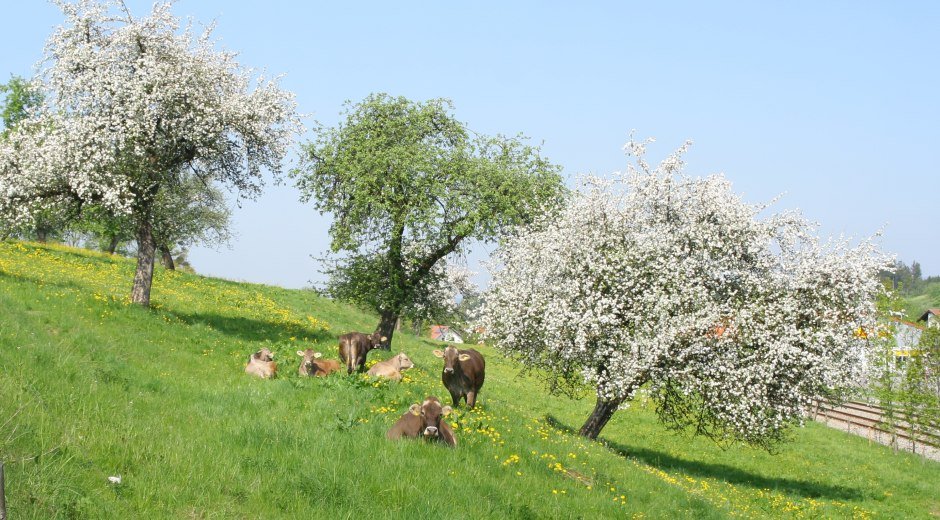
(428, 263)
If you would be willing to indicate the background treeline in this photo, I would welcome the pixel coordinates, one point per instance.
(917, 292)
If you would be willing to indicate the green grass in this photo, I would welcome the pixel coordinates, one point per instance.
(91, 386)
(927, 298)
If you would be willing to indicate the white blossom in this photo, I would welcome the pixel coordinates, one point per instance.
(736, 322)
(129, 102)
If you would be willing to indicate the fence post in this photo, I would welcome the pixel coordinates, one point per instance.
(3, 501)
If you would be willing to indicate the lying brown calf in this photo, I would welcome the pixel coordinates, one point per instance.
(261, 364)
(424, 420)
(311, 365)
(391, 367)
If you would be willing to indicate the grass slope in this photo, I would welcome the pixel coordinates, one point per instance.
(927, 298)
(93, 387)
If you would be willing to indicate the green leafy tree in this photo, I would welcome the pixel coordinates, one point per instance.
(191, 214)
(407, 185)
(884, 384)
(106, 231)
(18, 97)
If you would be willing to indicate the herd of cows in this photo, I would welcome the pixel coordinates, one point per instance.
(462, 375)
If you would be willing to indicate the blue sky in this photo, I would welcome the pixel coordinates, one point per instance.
(836, 105)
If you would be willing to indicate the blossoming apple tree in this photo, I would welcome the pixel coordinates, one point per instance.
(132, 106)
(734, 323)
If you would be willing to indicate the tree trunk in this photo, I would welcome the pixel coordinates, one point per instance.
(167, 258)
(143, 278)
(602, 413)
(41, 235)
(112, 245)
(387, 327)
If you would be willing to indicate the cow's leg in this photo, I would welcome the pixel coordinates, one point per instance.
(471, 399)
(455, 397)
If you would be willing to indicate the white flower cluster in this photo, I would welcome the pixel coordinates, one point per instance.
(130, 102)
(736, 322)
(449, 280)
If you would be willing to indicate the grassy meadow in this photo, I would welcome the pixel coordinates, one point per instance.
(927, 298)
(92, 387)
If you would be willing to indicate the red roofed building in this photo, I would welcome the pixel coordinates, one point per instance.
(445, 333)
(931, 317)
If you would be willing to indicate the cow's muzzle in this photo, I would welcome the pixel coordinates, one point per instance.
(430, 431)
(448, 370)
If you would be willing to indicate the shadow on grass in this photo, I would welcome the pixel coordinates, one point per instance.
(250, 329)
(729, 474)
(64, 284)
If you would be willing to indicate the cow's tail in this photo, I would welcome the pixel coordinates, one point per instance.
(350, 359)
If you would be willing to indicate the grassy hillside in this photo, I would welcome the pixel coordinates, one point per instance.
(927, 297)
(92, 387)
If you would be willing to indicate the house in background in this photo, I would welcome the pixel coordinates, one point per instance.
(907, 339)
(445, 333)
(931, 317)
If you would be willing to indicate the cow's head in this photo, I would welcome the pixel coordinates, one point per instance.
(404, 361)
(263, 355)
(308, 356)
(377, 339)
(431, 414)
(451, 357)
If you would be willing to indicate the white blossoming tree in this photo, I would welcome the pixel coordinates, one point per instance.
(734, 323)
(131, 107)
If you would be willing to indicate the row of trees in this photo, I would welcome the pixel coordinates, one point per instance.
(905, 384)
(907, 279)
(651, 280)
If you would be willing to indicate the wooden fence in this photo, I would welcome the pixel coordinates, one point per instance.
(869, 420)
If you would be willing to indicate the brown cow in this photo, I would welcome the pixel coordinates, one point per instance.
(261, 364)
(424, 420)
(463, 374)
(312, 366)
(354, 346)
(391, 367)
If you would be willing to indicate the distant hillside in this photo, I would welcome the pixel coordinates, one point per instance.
(93, 387)
(925, 297)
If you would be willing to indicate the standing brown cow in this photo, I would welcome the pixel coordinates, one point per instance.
(424, 420)
(261, 364)
(464, 371)
(311, 365)
(354, 346)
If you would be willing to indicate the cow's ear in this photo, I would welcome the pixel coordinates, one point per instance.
(439, 353)
(446, 410)
(317, 354)
(415, 409)
(464, 357)
(300, 353)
